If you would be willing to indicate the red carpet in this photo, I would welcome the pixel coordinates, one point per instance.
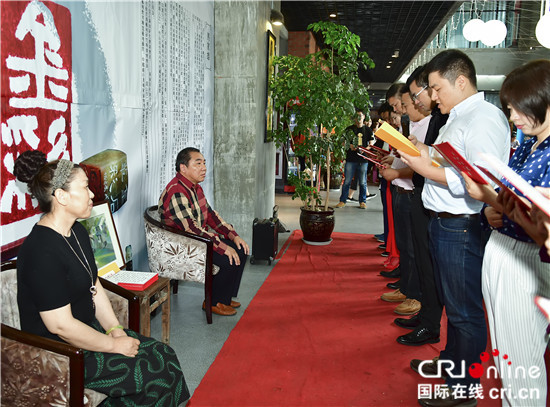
(317, 334)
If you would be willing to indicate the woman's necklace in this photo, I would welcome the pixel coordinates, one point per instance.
(534, 148)
(93, 289)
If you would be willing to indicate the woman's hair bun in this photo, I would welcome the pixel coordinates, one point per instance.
(28, 164)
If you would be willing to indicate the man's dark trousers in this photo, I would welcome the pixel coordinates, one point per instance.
(228, 280)
(430, 313)
(409, 283)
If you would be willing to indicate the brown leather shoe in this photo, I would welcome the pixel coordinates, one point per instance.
(235, 304)
(408, 307)
(428, 368)
(394, 296)
(448, 401)
(221, 309)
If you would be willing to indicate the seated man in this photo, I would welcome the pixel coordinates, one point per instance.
(182, 204)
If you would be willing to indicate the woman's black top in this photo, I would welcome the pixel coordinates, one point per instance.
(50, 276)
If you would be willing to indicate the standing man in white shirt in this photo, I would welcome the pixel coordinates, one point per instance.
(401, 178)
(456, 239)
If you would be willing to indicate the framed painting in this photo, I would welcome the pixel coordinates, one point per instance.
(279, 163)
(270, 71)
(104, 239)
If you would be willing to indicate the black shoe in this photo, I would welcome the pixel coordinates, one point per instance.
(429, 368)
(352, 199)
(395, 273)
(395, 285)
(370, 196)
(385, 254)
(448, 400)
(407, 323)
(418, 337)
(382, 246)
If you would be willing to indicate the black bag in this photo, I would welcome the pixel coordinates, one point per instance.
(265, 239)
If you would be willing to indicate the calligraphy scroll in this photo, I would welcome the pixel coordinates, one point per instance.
(36, 93)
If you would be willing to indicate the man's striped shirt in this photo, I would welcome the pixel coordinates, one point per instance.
(182, 204)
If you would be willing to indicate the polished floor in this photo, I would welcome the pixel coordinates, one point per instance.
(197, 343)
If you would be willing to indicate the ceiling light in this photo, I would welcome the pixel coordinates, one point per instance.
(542, 31)
(388, 66)
(473, 30)
(277, 17)
(332, 15)
(494, 33)
(395, 54)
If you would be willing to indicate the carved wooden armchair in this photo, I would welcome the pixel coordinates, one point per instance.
(41, 371)
(180, 255)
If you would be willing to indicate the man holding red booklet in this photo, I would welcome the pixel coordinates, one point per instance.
(456, 239)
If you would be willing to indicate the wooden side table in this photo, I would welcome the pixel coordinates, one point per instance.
(157, 294)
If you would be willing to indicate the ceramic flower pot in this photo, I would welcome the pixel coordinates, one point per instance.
(317, 226)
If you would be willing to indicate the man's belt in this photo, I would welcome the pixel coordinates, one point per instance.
(402, 190)
(447, 215)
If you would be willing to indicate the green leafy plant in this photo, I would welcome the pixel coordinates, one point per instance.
(316, 97)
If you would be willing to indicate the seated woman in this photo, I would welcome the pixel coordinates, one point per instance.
(513, 274)
(60, 295)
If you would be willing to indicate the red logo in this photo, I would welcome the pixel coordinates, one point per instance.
(476, 370)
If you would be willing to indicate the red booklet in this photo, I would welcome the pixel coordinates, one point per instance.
(363, 150)
(139, 287)
(378, 150)
(456, 159)
(370, 156)
(518, 182)
(133, 280)
(497, 181)
(374, 161)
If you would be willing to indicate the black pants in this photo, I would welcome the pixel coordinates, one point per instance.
(228, 280)
(430, 313)
(410, 281)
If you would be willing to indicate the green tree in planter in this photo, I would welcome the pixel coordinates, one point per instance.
(321, 91)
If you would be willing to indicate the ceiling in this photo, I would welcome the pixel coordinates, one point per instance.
(384, 27)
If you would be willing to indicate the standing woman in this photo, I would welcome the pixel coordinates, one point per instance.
(60, 295)
(512, 273)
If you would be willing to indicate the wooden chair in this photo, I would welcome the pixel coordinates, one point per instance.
(180, 255)
(42, 371)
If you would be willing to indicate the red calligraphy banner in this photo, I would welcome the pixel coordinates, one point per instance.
(36, 77)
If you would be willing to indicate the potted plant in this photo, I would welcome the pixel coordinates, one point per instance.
(316, 97)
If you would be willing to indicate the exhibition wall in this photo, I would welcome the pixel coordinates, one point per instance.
(120, 86)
